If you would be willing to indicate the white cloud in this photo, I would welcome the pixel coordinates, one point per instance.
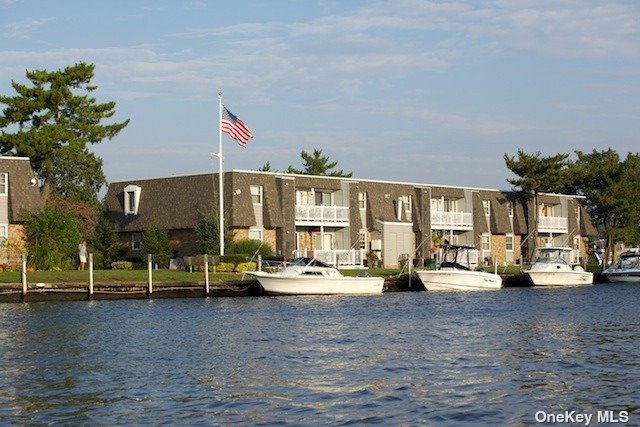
(24, 29)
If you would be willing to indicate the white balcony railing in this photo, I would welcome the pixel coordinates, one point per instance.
(340, 258)
(316, 215)
(553, 224)
(451, 220)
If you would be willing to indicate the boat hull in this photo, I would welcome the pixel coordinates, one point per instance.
(622, 276)
(560, 278)
(459, 280)
(274, 284)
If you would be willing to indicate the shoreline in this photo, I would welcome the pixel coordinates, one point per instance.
(80, 291)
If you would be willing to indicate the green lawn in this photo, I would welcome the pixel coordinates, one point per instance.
(141, 276)
(116, 276)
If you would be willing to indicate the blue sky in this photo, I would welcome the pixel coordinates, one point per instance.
(404, 90)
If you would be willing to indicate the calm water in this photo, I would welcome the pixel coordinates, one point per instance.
(424, 358)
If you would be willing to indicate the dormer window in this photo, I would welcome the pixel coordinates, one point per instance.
(3, 184)
(486, 205)
(131, 199)
(404, 205)
(256, 194)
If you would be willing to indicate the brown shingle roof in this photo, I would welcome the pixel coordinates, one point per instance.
(23, 195)
(170, 203)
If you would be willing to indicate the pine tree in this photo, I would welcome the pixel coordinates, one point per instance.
(317, 164)
(537, 174)
(52, 121)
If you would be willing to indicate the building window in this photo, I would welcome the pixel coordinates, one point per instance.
(3, 233)
(486, 205)
(578, 214)
(450, 205)
(486, 242)
(510, 208)
(323, 198)
(3, 184)
(136, 242)
(362, 200)
(404, 204)
(362, 239)
(255, 234)
(509, 242)
(132, 199)
(576, 243)
(256, 194)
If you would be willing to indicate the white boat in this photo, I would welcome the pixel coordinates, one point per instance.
(308, 276)
(454, 273)
(553, 267)
(626, 270)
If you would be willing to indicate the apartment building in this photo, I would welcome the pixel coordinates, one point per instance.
(344, 221)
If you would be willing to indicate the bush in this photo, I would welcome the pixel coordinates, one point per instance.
(246, 266)
(248, 246)
(52, 235)
(225, 267)
(122, 265)
(201, 267)
(235, 258)
(155, 241)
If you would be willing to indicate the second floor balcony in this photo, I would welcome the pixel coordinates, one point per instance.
(441, 220)
(322, 215)
(553, 224)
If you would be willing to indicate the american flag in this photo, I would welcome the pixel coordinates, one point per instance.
(235, 127)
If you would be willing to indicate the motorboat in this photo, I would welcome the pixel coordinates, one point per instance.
(308, 276)
(626, 270)
(455, 273)
(553, 267)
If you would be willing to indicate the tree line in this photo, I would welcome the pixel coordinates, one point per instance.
(609, 183)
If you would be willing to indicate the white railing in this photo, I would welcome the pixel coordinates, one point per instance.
(452, 220)
(553, 224)
(311, 214)
(340, 258)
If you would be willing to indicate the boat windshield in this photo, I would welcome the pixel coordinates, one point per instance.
(553, 255)
(629, 261)
(304, 262)
(457, 256)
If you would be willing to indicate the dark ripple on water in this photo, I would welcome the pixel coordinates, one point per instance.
(403, 359)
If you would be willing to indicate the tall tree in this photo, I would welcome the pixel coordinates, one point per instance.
(317, 164)
(596, 176)
(537, 174)
(52, 121)
(612, 192)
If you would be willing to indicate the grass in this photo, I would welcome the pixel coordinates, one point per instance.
(141, 276)
(116, 276)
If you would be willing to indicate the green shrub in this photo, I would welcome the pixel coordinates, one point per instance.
(53, 235)
(250, 247)
(122, 265)
(155, 241)
(201, 267)
(225, 267)
(235, 258)
(246, 266)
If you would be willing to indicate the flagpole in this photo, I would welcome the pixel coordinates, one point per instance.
(220, 186)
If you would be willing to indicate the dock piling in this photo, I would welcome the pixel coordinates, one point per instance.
(24, 276)
(91, 276)
(150, 268)
(206, 276)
